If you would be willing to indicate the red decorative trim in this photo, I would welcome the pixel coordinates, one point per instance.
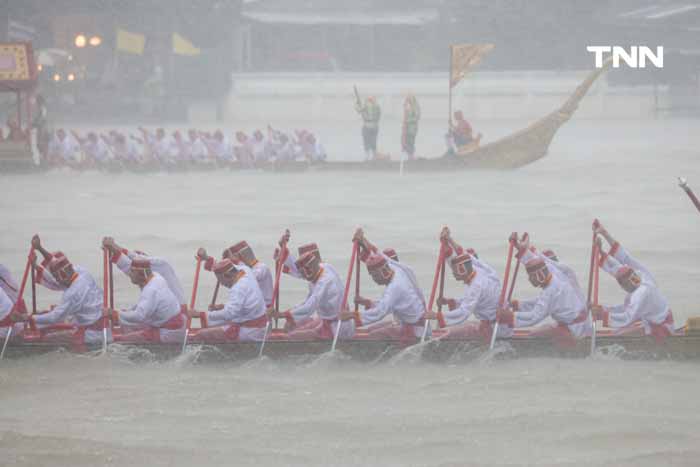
(39, 274)
(510, 321)
(289, 317)
(358, 319)
(441, 319)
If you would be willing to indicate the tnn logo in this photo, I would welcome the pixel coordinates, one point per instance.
(636, 58)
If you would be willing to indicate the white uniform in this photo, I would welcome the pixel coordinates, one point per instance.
(325, 298)
(245, 303)
(129, 151)
(81, 304)
(220, 150)
(558, 299)
(97, 151)
(156, 306)
(400, 297)
(263, 275)
(198, 151)
(6, 305)
(481, 296)
(257, 148)
(68, 150)
(8, 284)
(164, 149)
(645, 304)
(159, 265)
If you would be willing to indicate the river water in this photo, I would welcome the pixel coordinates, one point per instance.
(63, 409)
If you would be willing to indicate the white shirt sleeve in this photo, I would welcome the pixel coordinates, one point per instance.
(380, 308)
(465, 307)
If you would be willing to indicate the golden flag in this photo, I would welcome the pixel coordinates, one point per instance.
(464, 57)
(182, 46)
(130, 42)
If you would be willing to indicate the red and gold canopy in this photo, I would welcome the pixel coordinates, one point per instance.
(17, 69)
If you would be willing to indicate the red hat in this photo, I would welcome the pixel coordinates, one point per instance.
(309, 264)
(550, 254)
(538, 271)
(623, 273)
(58, 262)
(243, 251)
(309, 247)
(306, 260)
(238, 247)
(391, 253)
(224, 266)
(461, 264)
(142, 264)
(60, 267)
(534, 265)
(376, 262)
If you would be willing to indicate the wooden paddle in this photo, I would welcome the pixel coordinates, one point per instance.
(279, 266)
(106, 261)
(19, 301)
(592, 298)
(354, 258)
(502, 298)
(193, 301)
(439, 274)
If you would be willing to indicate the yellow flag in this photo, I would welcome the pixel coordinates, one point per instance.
(130, 42)
(464, 57)
(182, 46)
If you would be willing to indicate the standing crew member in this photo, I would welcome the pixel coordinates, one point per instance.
(370, 113)
(409, 130)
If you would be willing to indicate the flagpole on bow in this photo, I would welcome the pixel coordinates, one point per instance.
(449, 86)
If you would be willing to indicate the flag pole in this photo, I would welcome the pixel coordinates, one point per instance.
(449, 85)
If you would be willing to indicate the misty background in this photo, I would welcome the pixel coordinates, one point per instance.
(190, 60)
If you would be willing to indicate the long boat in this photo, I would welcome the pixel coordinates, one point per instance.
(438, 349)
(510, 152)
